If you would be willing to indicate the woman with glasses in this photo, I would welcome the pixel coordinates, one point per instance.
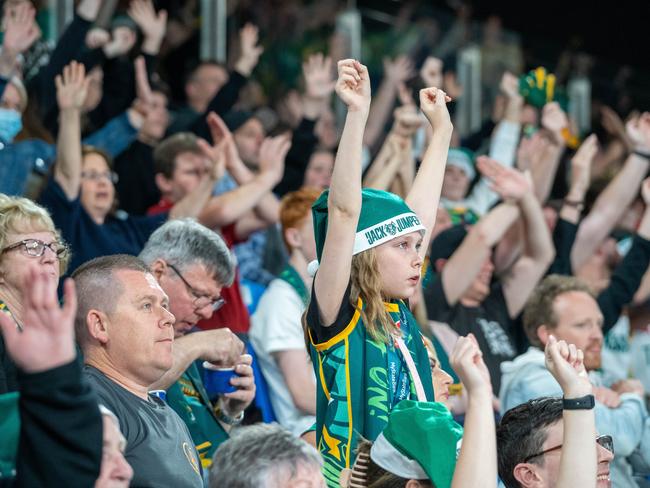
(27, 236)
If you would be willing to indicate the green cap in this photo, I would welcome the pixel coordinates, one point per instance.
(420, 441)
(384, 216)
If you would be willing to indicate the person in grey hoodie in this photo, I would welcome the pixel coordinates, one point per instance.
(565, 307)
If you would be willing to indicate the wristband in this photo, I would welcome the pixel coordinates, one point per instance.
(586, 402)
(641, 154)
(226, 419)
(578, 204)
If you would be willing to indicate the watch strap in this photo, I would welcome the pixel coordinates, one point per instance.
(586, 402)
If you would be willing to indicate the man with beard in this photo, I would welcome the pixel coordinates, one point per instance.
(565, 307)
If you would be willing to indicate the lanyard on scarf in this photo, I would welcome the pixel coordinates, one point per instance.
(397, 369)
(398, 354)
(291, 276)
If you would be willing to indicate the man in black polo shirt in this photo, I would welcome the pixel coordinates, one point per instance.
(463, 293)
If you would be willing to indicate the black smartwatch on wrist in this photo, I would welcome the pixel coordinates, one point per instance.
(586, 402)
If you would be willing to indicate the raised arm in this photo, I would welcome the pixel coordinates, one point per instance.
(71, 89)
(344, 200)
(477, 461)
(273, 153)
(425, 192)
(619, 194)
(395, 152)
(21, 31)
(578, 461)
(152, 24)
(564, 233)
(628, 275)
(194, 203)
(466, 263)
(503, 144)
(319, 85)
(505, 137)
(539, 252)
(580, 180)
(253, 190)
(396, 71)
(554, 121)
(250, 52)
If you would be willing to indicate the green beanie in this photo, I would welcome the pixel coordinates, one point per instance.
(420, 441)
(384, 216)
(462, 158)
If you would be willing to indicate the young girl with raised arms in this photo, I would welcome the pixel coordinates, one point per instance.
(365, 344)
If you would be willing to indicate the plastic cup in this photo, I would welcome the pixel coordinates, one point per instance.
(217, 380)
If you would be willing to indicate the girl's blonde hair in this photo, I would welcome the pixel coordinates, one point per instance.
(366, 284)
(20, 215)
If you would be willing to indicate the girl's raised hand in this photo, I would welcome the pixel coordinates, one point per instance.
(353, 85)
(433, 103)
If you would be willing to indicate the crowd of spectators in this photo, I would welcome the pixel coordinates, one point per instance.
(393, 300)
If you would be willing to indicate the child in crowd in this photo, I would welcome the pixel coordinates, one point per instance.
(365, 344)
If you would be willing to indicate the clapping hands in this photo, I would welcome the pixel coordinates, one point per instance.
(510, 184)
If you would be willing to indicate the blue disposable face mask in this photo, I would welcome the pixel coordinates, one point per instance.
(10, 124)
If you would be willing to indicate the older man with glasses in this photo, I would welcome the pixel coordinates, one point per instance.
(192, 265)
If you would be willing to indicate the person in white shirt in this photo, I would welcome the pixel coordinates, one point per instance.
(276, 330)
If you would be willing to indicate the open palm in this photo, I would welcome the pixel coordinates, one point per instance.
(71, 86)
(47, 338)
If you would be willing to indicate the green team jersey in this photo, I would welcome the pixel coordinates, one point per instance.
(355, 387)
(191, 402)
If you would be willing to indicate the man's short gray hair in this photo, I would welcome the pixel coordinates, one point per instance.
(185, 242)
(255, 456)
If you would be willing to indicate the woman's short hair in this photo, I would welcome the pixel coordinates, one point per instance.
(20, 215)
(87, 150)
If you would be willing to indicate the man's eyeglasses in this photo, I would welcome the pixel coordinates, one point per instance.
(200, 300)
(96, 176)
(605, 441)
(36, 248)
